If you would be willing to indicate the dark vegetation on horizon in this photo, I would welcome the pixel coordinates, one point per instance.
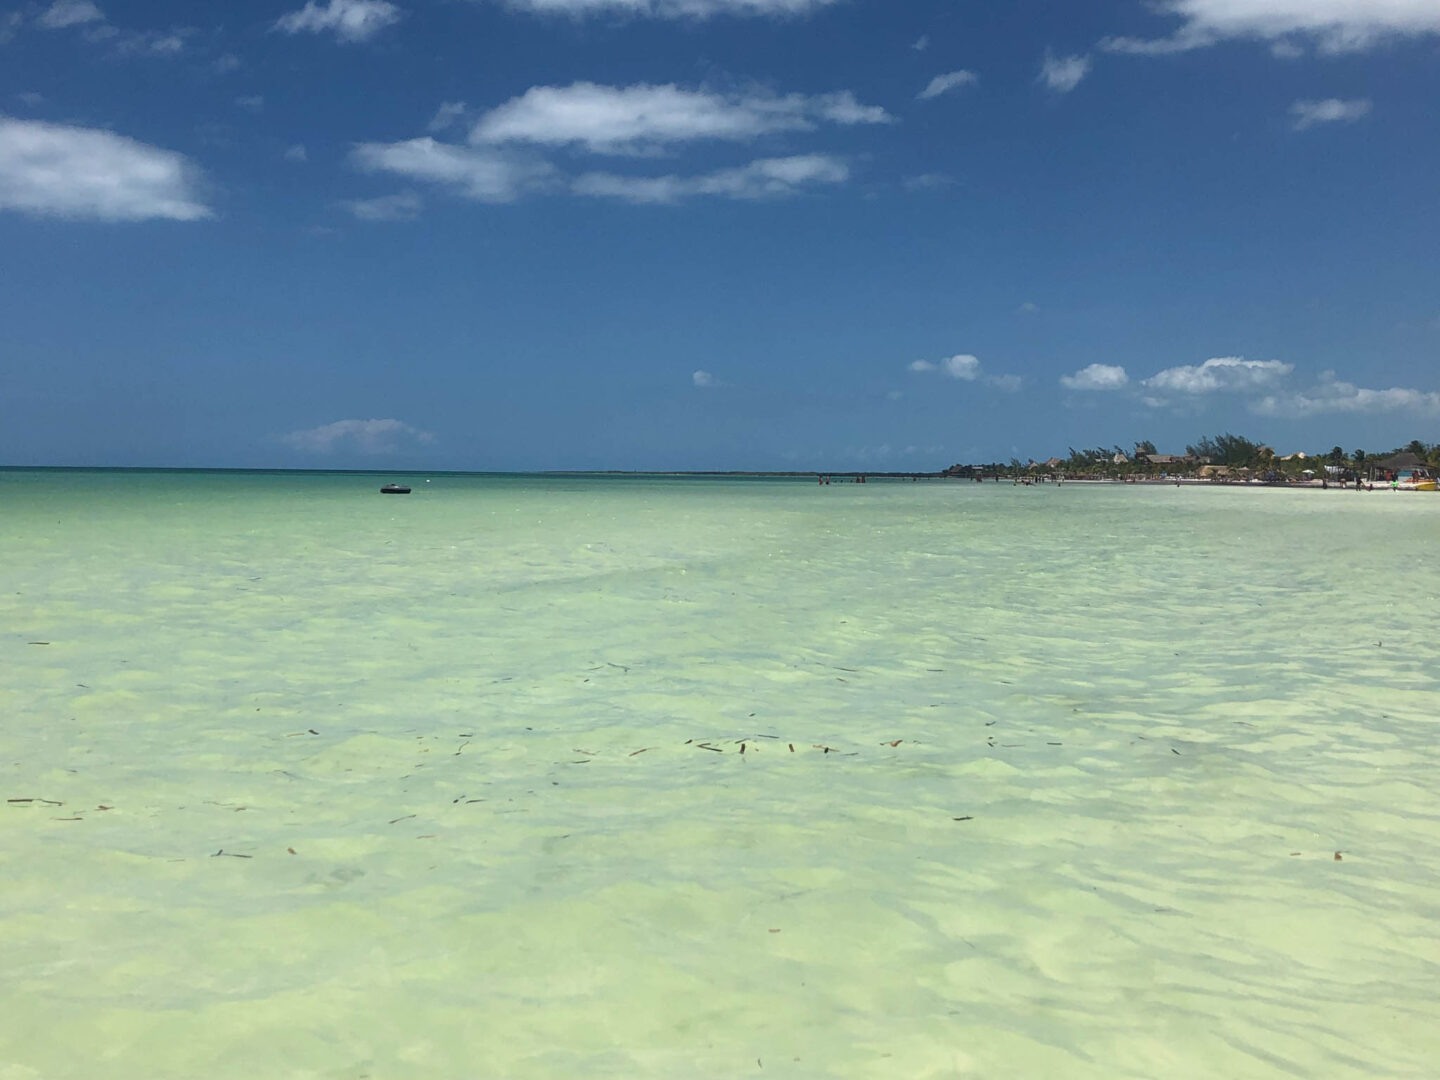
(1227, 450)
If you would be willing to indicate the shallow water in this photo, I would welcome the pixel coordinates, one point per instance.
(344, 785)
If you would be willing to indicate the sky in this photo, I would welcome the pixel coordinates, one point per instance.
(713, 234)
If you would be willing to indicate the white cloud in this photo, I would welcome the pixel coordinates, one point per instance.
(643, 119)
(949, 81)
(1220, 374)
(671, 9)
(1063, 73)
(405, 206)
(1010, 384)
(474, 172)
(349, 20)
(74, 172)
(767, 178)
(962, 366)
(66, 13)
(1029, 307)
(154, 44)
(1097, 377)
(1332, 25)
(297, 153)
(1334, 396)
(704, 380)
(253, 102)
(445, 116)
(227, 63)
(1332, 110)
(921, 43)
(364, 436)
(92, 23)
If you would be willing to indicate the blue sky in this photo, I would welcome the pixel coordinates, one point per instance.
(534, 234)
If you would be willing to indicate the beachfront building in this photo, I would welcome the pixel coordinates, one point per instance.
(1403, 467)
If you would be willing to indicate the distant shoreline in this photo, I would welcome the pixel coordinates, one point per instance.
(839, 475)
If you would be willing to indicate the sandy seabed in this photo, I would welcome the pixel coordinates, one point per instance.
(310, 782)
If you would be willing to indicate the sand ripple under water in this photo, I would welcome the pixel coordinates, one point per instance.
(315, 783)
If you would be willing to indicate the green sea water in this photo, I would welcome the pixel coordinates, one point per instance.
(1036, 782)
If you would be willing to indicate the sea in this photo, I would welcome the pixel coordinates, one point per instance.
(568, 777)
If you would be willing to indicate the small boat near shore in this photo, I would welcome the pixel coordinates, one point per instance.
(394, 489)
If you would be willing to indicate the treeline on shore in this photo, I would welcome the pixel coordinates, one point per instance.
(1234, 453)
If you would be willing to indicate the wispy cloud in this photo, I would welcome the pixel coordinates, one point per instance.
(1332, 26)
(1097, 377)
(921, 43)
(643, 119)
(362, 436)
(703, 380)
(927, 182)
(66, 13)
(449, 114)
(768, 178)
(1222, 374)
(1063, 73)
(405, 206)
(73, 172)
(953, 80)
(349, 20)
(1306, 114)
(671, 9)
(483, 173)
(89, 20)
(297, 153)
(253, 102)
(1332, 395)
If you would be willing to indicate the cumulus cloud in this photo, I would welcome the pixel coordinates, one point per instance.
(1063, 73)
(66, 13)
(1332, 395)
(73, 172)
(768, 178)
(942, 83)
(482, 173)
(1307, 114)
(349, 20)
(1097, 377)
(1333, 26)
(1219, 375)
(966, 368)
(405, 206)
(643, 119)
(363, 436)
(671, 9)
(703, 380)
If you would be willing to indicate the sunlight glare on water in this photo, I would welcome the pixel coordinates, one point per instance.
(311, 782)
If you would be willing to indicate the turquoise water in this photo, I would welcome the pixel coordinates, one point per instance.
(343, 785)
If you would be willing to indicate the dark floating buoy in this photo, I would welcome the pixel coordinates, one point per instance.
(394, 489)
